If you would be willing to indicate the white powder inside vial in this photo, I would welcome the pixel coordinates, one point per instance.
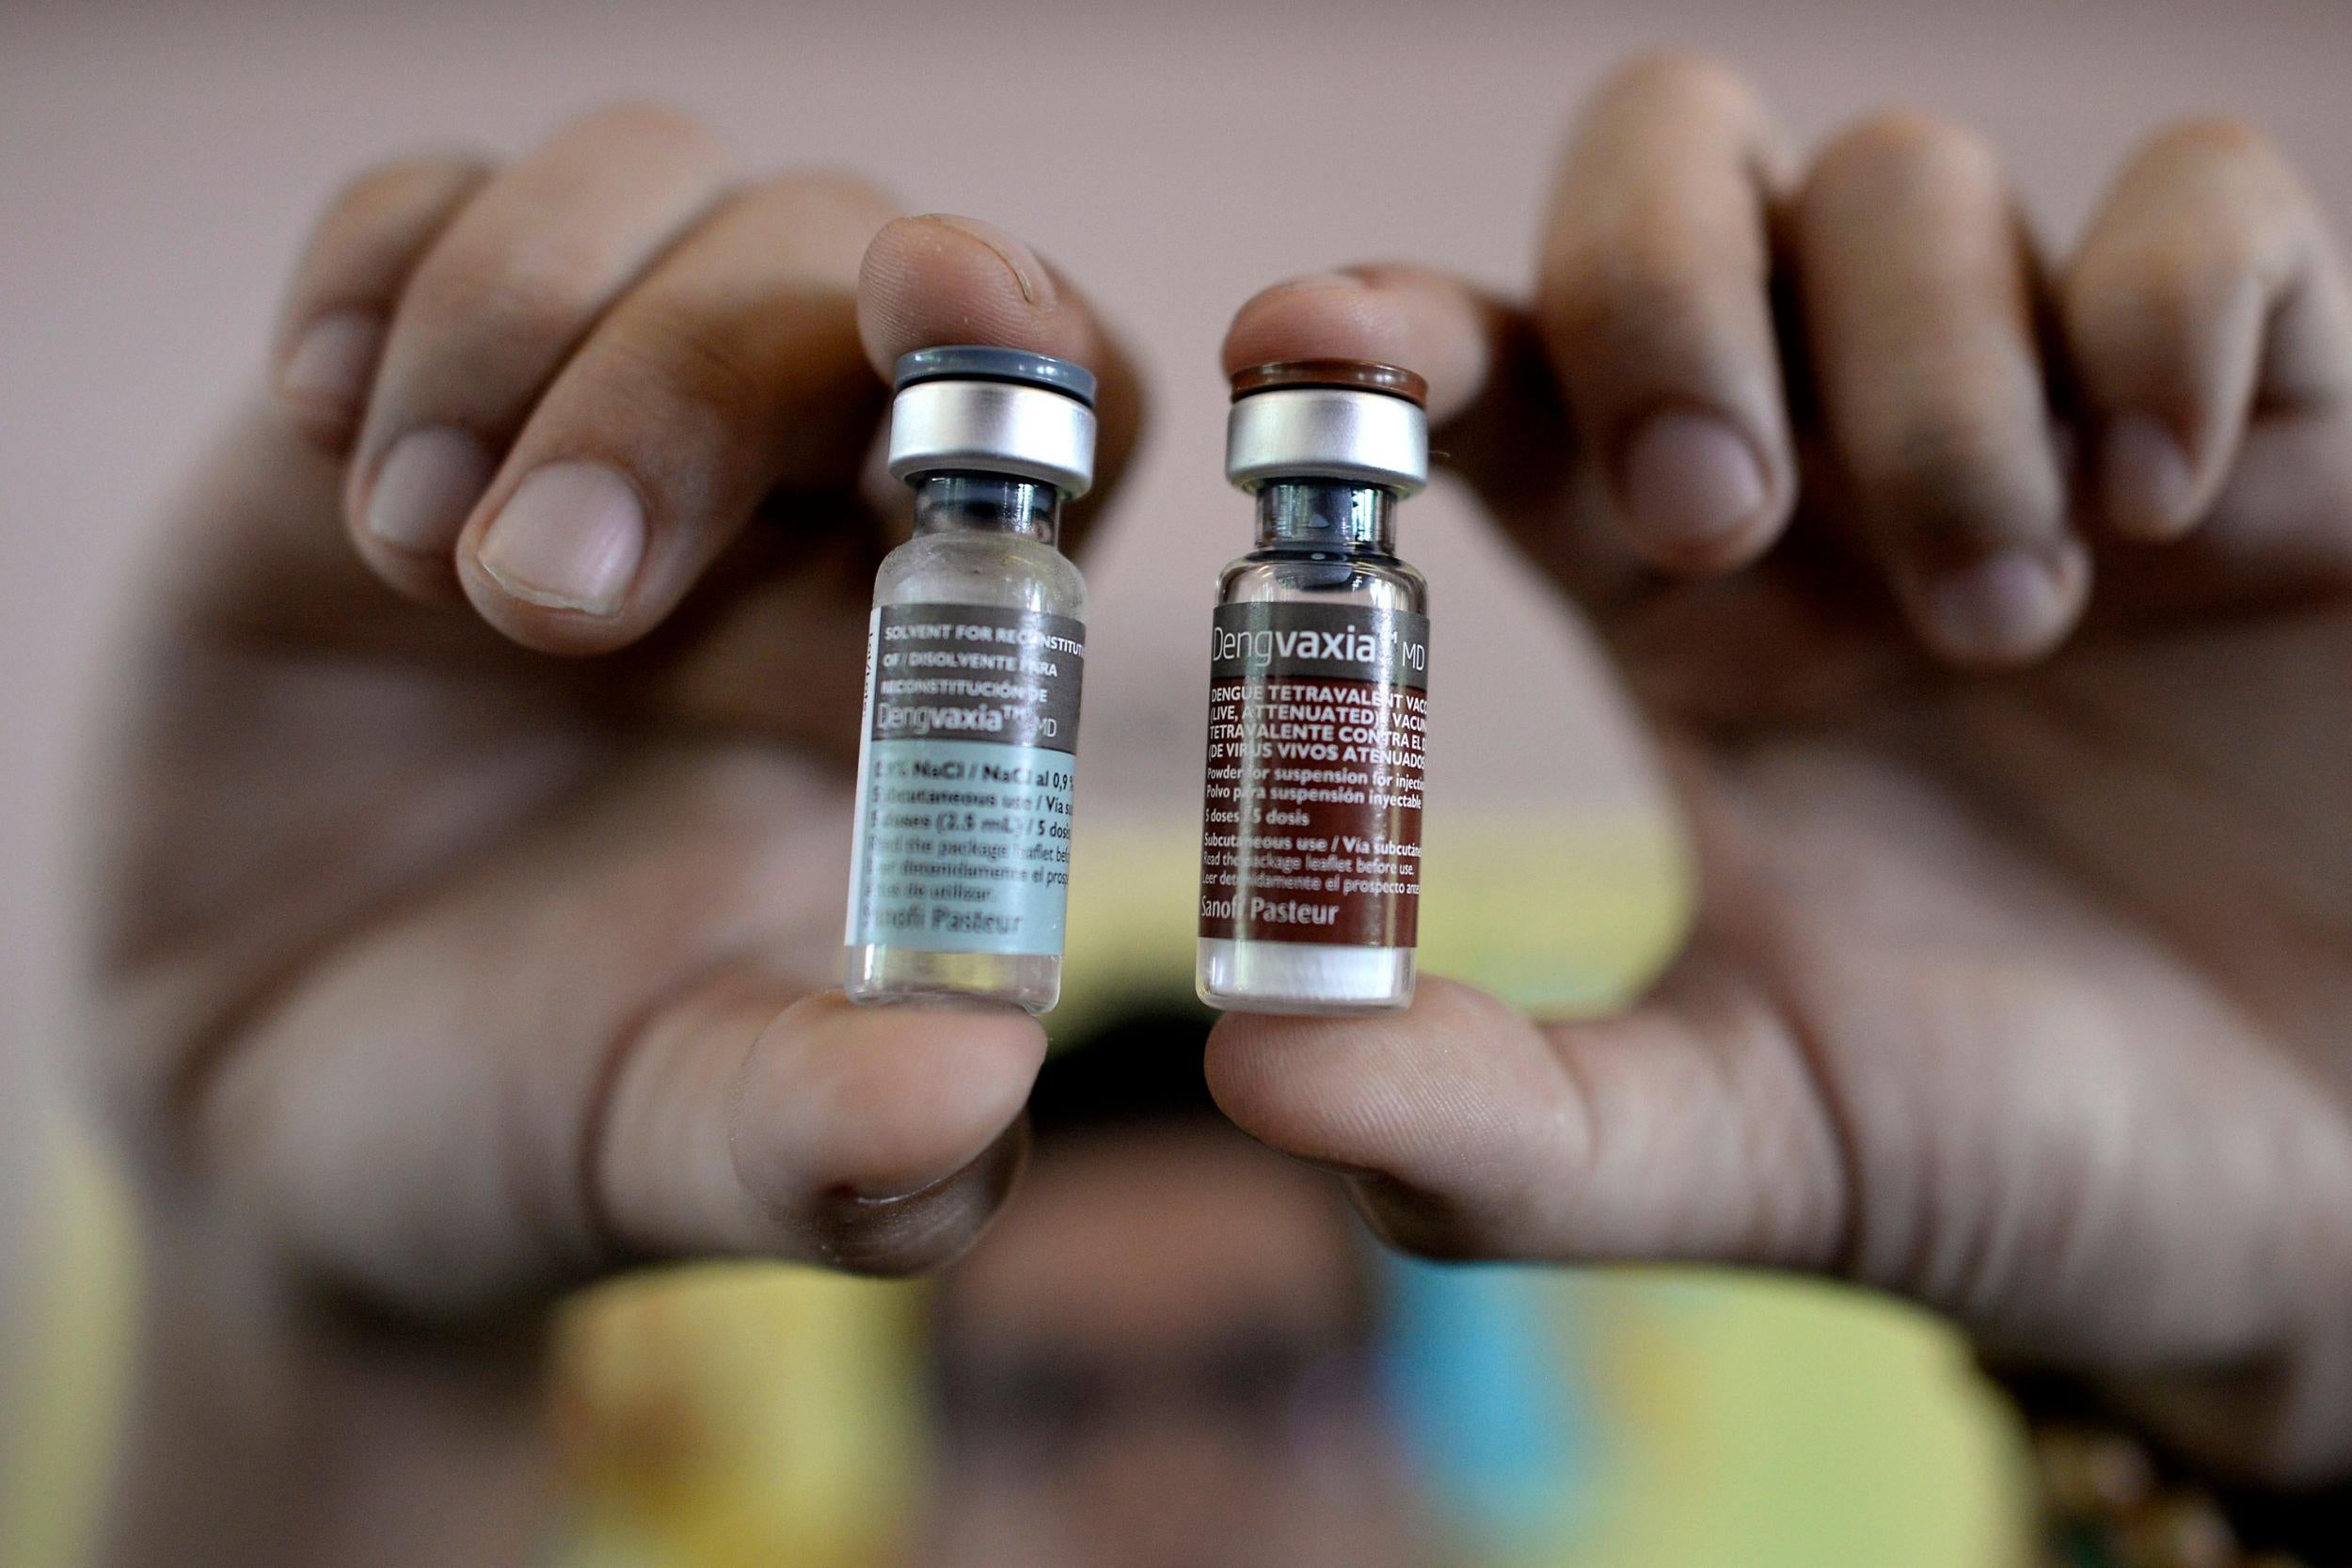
(1303, 977)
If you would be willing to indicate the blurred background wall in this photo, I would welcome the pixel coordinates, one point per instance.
(159, 163)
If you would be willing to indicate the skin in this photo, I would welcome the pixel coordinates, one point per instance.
(2011, 729)
(1131, 1252)
(441, 969)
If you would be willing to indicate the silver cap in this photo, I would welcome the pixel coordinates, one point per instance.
(1329, 419)
(996, 411)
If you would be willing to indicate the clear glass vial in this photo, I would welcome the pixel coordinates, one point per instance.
(1328, 448)
(956, 788)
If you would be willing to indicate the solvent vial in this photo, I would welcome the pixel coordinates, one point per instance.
(1318, 700)
(959, 866)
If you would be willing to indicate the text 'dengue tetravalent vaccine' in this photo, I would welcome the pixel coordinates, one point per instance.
(1318, 700)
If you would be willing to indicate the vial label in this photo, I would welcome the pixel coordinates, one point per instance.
(1312, 818)
(964, 773)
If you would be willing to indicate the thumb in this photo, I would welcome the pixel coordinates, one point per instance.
(1687, 1130)
(880, 1140)
(940, 278)
(734, 1117)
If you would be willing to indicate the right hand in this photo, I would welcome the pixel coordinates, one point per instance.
(473, 889)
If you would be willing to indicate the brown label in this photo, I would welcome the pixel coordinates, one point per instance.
(1311, 826)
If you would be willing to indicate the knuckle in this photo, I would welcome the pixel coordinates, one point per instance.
(1640, 280)
(2215, 140)
(2161, 289)
(2213, 221)
(496, 293)
(397, 184)
(1907, 151)
(1623, 301)
(651, 125)
(697, 357)
(1680, 78)
(1944, 481)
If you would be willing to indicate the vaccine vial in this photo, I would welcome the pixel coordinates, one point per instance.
(1318, 700)
(959, 863)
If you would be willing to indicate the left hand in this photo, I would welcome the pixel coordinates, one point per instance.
(1995, 627)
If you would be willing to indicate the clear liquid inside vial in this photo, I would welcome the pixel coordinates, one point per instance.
(989, 541)
(1324, 543)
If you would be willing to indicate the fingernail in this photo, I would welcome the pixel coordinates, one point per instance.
(1037, 284)
(890, 1194)
(332, 361)
(427, 488)
(570, 538)
(2004, 607)
(2143, 478)
(1690, 480)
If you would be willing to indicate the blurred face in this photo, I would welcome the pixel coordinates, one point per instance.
(1156, 1361)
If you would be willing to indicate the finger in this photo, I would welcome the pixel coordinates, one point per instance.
(1687, 1130)
(592, 1063)
(943, 279)
(732, 371)
(1919, 300)
(1416, 317)
(492, 312)
(2206, 283)
(1495, 412)
(734, 1120)
(1713, 1124)
(1655, 302)
(340, 303)
(880, 1140)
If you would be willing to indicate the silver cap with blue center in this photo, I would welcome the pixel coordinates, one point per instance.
(975, 409)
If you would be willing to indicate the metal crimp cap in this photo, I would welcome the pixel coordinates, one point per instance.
(972, 410)
(1328, 419)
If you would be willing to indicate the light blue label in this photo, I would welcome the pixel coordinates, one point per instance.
(963, 846)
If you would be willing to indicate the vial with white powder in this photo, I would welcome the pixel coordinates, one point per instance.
(1318, 700)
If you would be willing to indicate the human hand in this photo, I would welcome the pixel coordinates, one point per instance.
(442, 969)
(1994, 625)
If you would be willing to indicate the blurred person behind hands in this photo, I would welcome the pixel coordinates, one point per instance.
(1165, 1355)
(444, 971)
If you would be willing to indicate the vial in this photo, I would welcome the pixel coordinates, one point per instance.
(959, 863)
(1318, 700)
